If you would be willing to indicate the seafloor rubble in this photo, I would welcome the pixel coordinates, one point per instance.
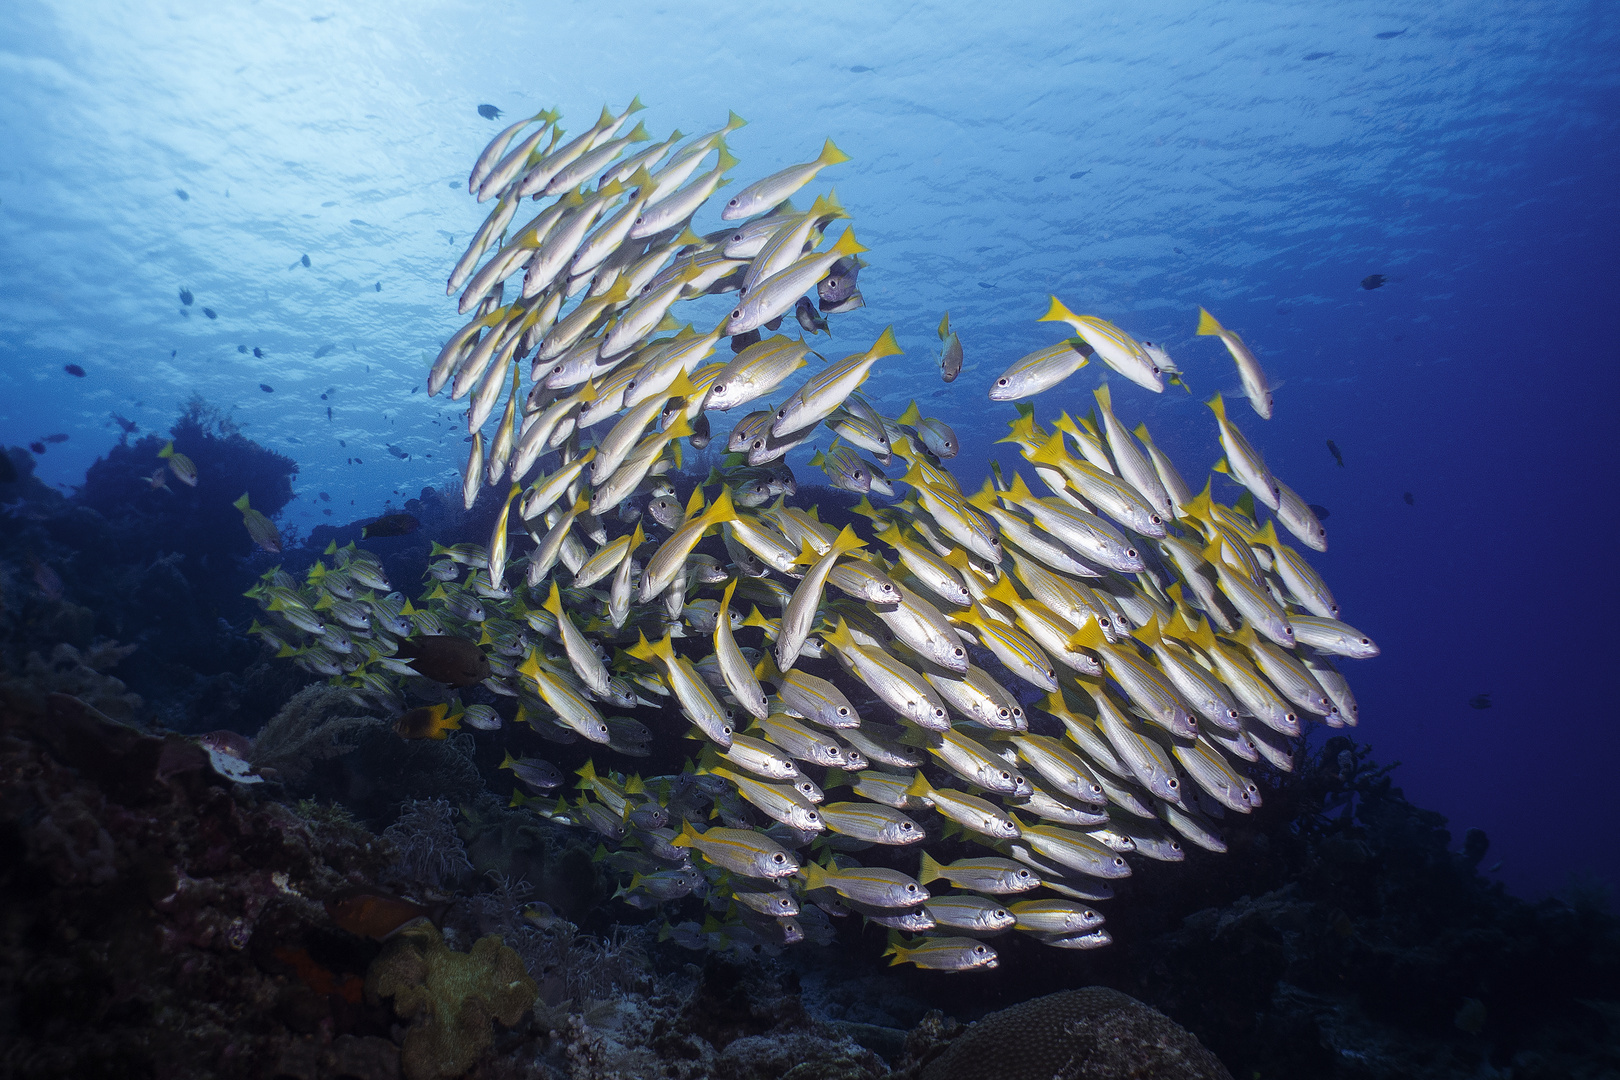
(161, 918)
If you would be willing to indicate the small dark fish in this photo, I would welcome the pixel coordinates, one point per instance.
(391, 525)
(325, 497)
(267, 388)
(739, 342)
(985, 285)
(1373, 281)
(700, 432)
(1039, 179)
(414, 389)
(451, 660)
(37, 447)
(305, 260)
(208, 311)
(1333, 448)
(78, 372)
(241, 348)
(839, 282)
(489, 112)
(373, 913)
(1408, 497)
(1387, 34)
(860, 69)
(397, 452)
(1480, 701)
(357, 461)
(329, 412)
(56, 438)
(1178, 251)
(805, 312)
(1078, 175)
(378, 286)
(185, 297)
(129, 426)
(775, 324)
(184, 195)
(323, 350)
(258, 352)
(1317, 55)
(1321, 512)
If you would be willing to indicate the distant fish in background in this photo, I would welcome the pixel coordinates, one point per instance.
(75, 370)
(59, 438)
(397, 452)
(1373, 281)
(305, 260)
(378, 286)
(490, 112)
(37, 447)
(805, 312)
(258, 352)
(985, 285)
(185, 297)
(860, 69)
(1317, 55)
(241, 348)
(1333, 448)
(329, 412)
(259, 527)
(1408, 497)
(391, 525)
(183, 194)
(210, 312)
(325, 497)
(129, 426)
(267, 388)
(158, 480)
(1320, 511)
(323, 350)
(1387, 34)
(950, 358)
(1480, 701)
(1078, 175)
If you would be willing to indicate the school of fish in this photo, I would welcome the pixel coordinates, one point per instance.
(849, 694)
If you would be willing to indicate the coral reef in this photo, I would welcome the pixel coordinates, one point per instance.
(450, 999)
(1090, 1034)
(431, 852)
(316, 724)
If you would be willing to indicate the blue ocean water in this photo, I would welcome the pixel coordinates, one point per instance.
(1137, 160)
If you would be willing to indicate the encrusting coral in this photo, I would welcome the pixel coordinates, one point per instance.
(451, 998)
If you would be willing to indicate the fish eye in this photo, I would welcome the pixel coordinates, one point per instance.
(1130, 553)
(1174, 783)
(1156, 519)
(911, 888)
(737, 314)
(778, 857)
(905, 825)
(1155, 369)
(759, 444)
(1366, 641)
(719, 388)
(1004, 713)
(1001, 382)
(1006, 776)
(733, 202)
(961, 652)
(843, 711)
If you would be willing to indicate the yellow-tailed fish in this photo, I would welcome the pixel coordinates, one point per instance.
(828, 388)
(1114, 346)
(734, 668)
(876, 886)
(817, 700)
(1243, 461)
(1075, 851)
(872, 822)
(1134, 467)
(901, 688)
(1169, 478)
(1304, 584)
(1250, 372)
(800, 742)
(779, 802)
(742, 851)
(969, 811)
(695, 697)
(498, 540)
(763, 194)
(1041, 370)
(260, 528)
(571, 709)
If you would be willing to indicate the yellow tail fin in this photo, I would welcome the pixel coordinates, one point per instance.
(1207, 324)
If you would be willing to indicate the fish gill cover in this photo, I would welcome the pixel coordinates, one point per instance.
(1015, 692)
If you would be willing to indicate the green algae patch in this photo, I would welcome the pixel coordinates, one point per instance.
(451, 999)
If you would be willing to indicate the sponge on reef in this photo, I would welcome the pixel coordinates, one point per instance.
(450, 998)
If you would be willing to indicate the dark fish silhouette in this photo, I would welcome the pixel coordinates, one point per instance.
(378, 286)
(56, 438)
(208, 311)
(37, 447)
(1078, 175)
(391, 525)
(1038, 179)
(805, 312)
(1480, 701)
(739, 342)
(373, 913)
(185, 297)
(1373, 281)
(241, 348)
(397, 452)
(267, 388)
(1317, 55)
(329, 412)
(1387, 34)
(324, 349)
(414, 389)
(184, 196)
(129, 426)
(76, 371)
(489, 112)
(840, 281)
(1321, 512)
(775, 324)
(305, 260)
(450, 660)
(860, 69)
(258, 352)
(1333, 448)
(1408, 497)
(700, 429)
(357, 461)
(325, 497)
(985, 285)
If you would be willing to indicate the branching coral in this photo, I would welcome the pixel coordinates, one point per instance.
(431, 852)
(307, 730)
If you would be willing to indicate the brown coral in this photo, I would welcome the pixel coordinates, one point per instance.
(1090, 1034)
